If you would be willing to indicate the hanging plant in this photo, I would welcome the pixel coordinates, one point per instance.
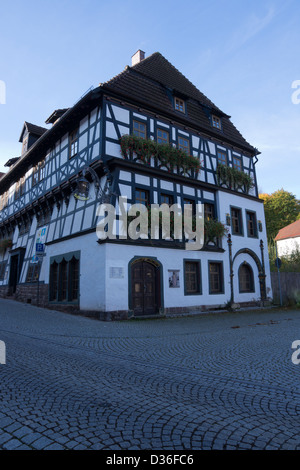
(213, 229)
(233, 178)
(165, 155)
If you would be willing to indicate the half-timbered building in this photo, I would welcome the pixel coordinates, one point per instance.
(121, 139)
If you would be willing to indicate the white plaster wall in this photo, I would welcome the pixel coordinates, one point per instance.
(92, 268)
(224, 201)
(288, 246)
(120, 255)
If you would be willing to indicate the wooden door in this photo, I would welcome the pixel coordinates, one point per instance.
(13, 275)
(144, 289)
(16, 262)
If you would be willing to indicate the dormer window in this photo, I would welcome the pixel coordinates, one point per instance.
(216, 122)
(179, 105)
(24, 144)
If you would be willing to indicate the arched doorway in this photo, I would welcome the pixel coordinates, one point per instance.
(145, 287)
(246, 278)
(260, 268)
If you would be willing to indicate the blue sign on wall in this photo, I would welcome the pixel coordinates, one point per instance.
(40, 247)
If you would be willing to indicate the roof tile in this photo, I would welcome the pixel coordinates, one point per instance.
(290, 231)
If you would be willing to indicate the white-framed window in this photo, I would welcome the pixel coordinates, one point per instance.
(179, 104)
(216, 122)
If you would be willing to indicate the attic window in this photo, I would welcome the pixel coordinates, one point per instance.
(24, 144)
(179, 105)
(216, 122)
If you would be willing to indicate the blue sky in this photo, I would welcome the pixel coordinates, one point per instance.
(244, 55)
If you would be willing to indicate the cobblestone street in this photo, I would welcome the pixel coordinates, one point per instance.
(216, 381)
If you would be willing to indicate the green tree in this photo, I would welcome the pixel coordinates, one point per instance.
(281, 209)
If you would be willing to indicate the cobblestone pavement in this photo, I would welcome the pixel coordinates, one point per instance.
(216, 381)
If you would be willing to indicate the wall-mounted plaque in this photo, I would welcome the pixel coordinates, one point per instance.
(174, 277)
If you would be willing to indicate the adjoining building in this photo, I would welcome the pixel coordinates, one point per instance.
(151, 136)
(288, 239)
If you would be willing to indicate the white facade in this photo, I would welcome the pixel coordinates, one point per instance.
(288, 246)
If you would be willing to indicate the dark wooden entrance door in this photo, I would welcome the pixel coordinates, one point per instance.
(144, 288)
(13, 278)
(16, 262)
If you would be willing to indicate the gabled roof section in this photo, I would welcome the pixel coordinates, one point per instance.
(154, 82)
(12, 161)
(160, 69)
(290, 231)
(32, 129)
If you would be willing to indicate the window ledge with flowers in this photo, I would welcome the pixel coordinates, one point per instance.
(161, 156)
(233, 178)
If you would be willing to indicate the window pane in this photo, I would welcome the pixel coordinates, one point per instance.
(236, 221)
(237, 164)
(63, 280)
(209, 211)
(166, 199)
(54, 281)
(141, 197)
(73, 143)
(191, 277)
(74, 279)
(183, 144)
(251, 224)
(179, 105)
(139, 129)
(216, 122)
(162, 136)
(222, 158)
(215, 279)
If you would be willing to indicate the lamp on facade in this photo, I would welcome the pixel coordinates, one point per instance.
(227, 219)
(82, 189)
(83, 186)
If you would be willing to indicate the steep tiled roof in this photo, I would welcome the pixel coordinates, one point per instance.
(160, 69)
(290, 231)
(154, 80)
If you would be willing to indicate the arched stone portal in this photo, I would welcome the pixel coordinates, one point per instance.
(260, 267)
